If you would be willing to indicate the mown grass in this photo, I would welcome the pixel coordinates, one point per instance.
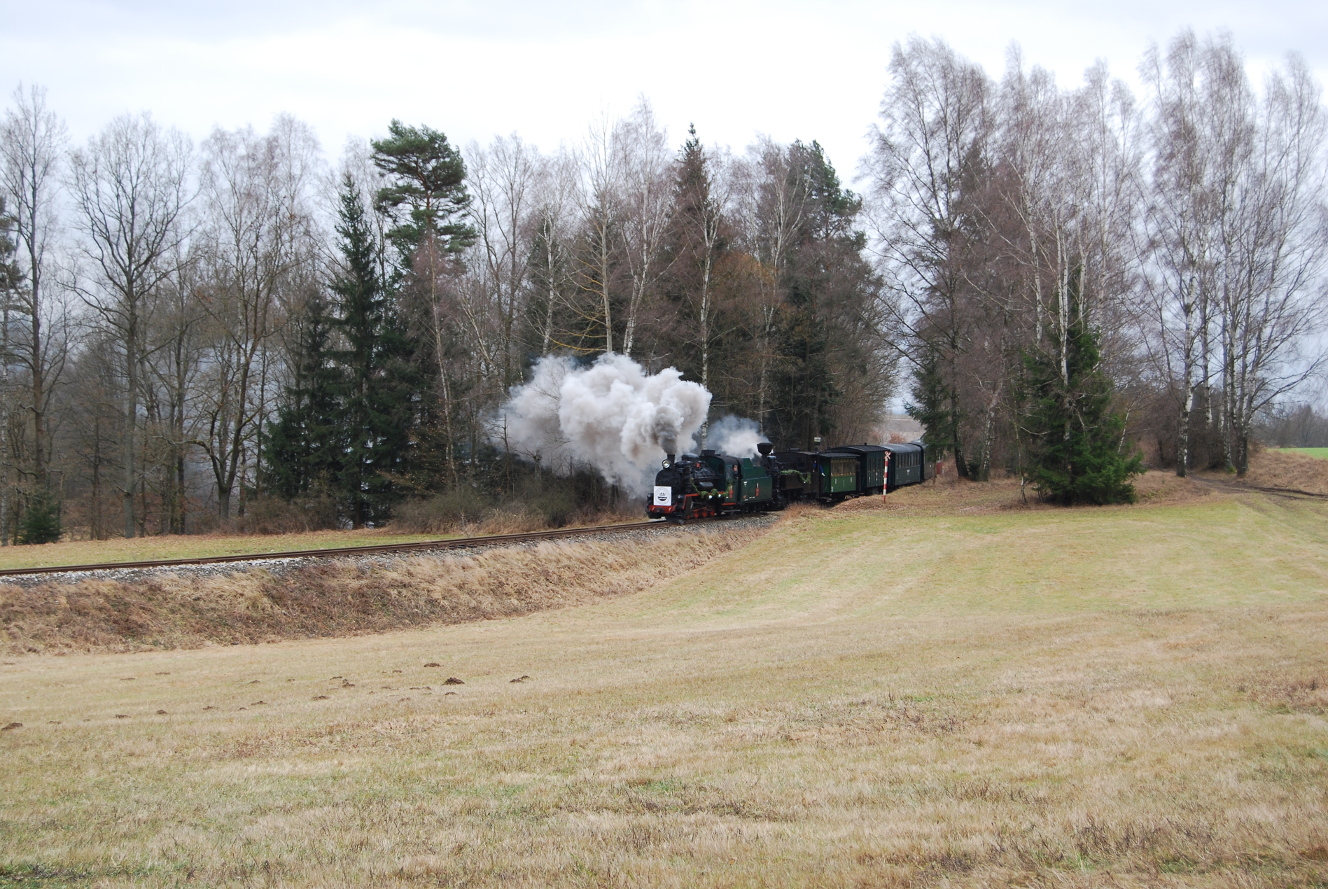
(906, 696)
(95, 552)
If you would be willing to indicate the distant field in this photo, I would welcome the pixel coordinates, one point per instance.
(1321, 453)
(940, 690)
(88, 552)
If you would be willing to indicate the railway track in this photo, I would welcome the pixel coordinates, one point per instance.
(381, 549)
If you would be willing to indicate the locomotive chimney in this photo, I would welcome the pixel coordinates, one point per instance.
(764, 448)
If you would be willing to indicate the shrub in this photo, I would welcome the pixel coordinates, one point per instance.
(41, 521)
(441, 512)
(276, 515)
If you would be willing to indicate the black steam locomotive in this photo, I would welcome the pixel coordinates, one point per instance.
(712, 484)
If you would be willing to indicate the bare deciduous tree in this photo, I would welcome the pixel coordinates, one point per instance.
(645, 166)
(130, 188)
(1236, 235)
(504, 181)
(930, 158)
(255, 234)
(32, 145)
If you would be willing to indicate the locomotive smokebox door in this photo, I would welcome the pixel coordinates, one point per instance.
(663, 495)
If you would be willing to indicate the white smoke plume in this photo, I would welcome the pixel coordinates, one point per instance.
(734, 435)
(611, 416)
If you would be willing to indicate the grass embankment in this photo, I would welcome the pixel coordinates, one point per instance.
(1295, 470)
(339, 597)
(940, 691)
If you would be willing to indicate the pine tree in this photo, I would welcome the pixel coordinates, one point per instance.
(424, 199)
(425, 191)
(1076, 438)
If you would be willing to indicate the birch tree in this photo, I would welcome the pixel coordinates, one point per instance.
(772, 209)
(1272, 290)
(645, 165)
(553, 266)
(596, 253)
(504, 182)
(1236, 237)
(930, 152)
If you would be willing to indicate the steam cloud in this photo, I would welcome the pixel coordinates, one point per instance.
(612, 416)
(734, 435)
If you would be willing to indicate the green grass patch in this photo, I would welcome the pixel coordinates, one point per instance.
(1321, 453)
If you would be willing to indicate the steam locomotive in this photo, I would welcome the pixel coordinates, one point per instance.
(712, 484)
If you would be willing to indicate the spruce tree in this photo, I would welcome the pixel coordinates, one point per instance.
(41, 521)
(378, 384)
(1075, 437)
(935, 406)
(306, 446)
(694, 250)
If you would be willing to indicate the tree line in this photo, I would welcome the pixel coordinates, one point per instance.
(1185, 231)
(191, 332)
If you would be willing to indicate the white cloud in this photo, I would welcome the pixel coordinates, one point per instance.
(474, 69)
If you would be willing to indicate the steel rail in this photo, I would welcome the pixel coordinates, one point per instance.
(443, 544)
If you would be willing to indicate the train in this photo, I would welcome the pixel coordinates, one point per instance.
(710, 484)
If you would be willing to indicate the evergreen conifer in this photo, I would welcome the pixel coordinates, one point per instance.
(379, 383)
(41, 521)
(306, 446)
(1077, 440)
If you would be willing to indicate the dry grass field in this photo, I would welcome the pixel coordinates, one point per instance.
(947, 689)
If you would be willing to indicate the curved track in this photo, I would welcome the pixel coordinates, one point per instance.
(424, 545)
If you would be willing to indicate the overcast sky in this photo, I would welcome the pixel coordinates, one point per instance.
(736, 68)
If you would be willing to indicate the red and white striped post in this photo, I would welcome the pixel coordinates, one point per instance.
(885, 477)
